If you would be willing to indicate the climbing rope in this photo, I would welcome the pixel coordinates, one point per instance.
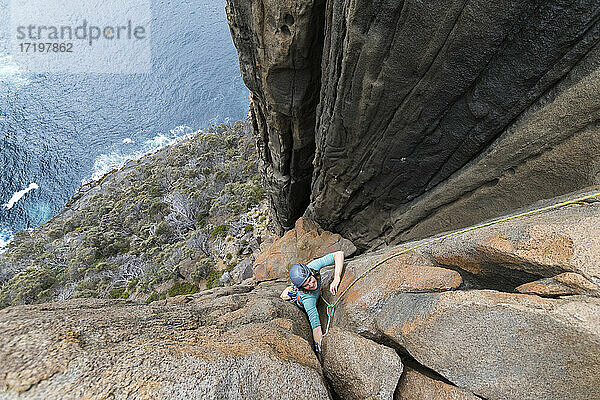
(331, 306)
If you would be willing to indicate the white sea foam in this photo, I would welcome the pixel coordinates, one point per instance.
(10, 73)
(17, 195)
(5, 238)
(106, 162)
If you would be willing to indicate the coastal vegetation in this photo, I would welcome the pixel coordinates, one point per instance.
(169, 223)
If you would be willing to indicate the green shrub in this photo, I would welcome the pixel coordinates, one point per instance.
(24, 287)
(131, 285)
(180, 288)
(231, 141)
(220, 230)
(202, 269)
(69, 226)
(164, 229)
(248, 228)
(153, 297)
(158, 207)
(118, 293)
(213, 279)
(201, 218)
(86, 285)
(55, 233)
(86, 293)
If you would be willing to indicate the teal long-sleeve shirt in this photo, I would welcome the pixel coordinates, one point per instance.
(309, 300)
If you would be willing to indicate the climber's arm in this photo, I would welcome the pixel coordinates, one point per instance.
(310, 305)
(337, 274)
(317, 335)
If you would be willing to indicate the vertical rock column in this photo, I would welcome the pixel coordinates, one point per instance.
(279, 45)
(435, 115)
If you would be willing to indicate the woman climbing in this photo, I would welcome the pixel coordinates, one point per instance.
(306, 288)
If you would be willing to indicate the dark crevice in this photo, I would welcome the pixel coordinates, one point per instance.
(498, 277)
(408, 360)
(329, 386)
(411, 363)
(289, 19)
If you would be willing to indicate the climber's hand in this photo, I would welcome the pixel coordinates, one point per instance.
(334, 286)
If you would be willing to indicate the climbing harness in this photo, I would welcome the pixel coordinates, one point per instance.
(331, 306)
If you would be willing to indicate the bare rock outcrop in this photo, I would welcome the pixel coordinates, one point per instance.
(417, 386)
(358, 368)
(499, 345)
(546, 244)
(461, 339)
(493, 344)
(565, 284)
(304, 243)
(222, 345)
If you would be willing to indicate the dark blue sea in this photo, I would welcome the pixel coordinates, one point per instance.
(58, 131)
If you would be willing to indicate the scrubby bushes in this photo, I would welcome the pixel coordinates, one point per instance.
(143, 225)
(180, 288)
(28, 286)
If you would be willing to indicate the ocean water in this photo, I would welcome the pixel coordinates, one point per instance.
(58, 131)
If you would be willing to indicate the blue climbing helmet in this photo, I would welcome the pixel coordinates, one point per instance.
(299, 273)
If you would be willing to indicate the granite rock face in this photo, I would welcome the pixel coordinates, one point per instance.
(565, 284)
(304, 243)
(496, 344)
(358, 368)
(518, 251)
(242, 271)
(431, 115)
(417, 386)
(222, 345)
(461, 340)
(409, 273)
(499, 345)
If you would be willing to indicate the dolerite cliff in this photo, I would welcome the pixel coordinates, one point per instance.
(389, 121)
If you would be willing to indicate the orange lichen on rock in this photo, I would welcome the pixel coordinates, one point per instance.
(304, 243)
(460, 261)
(565, 284)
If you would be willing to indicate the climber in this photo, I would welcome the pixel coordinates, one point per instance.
(306, 288)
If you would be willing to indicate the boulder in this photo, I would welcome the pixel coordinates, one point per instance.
(358, 368)
(407, 273)
(223, 345)
(500, 346)
(417, 386)
(565, 284)
(242, 271)
(522, 250)
(304, 243)
(226, 277)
